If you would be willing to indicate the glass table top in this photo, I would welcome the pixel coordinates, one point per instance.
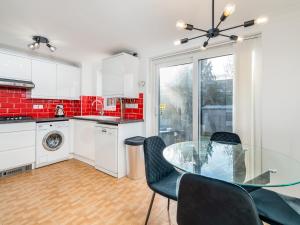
(233, 163)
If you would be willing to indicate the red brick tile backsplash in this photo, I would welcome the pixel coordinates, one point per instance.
(13, 102)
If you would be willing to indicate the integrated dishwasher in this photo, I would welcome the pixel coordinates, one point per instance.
(106, 152)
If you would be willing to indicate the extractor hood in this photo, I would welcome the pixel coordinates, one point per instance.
(16, 83)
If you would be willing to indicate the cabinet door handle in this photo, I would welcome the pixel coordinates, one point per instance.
(104, 131)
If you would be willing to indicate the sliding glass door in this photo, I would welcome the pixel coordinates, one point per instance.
(215, 95)
(175, 103)
(205, 108)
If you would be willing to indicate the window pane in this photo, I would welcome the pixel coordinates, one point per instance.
(176, 93)
(216, 91)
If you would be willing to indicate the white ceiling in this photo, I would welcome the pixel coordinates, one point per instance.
(85, 29)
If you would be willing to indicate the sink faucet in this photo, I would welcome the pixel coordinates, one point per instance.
(101, 111)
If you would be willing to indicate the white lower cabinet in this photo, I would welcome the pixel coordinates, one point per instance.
(102, 145)
(17, 146)
(84, 140)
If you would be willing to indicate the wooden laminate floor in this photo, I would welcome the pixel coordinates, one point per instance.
(72, 192)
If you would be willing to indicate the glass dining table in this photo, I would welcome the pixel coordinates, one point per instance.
(250, 168)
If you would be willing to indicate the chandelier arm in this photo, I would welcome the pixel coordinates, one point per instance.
(234, 27)
(219, 24)
(204, 35)
(198, 29)
(223, 35)
(213, 14)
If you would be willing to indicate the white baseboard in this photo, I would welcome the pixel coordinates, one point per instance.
(83, 159)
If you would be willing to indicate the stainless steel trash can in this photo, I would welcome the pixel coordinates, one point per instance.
(135, 157)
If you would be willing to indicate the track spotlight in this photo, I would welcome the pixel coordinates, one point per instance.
(40, 39)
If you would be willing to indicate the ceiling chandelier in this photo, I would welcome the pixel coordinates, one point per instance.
(215, 31)
(38, 40)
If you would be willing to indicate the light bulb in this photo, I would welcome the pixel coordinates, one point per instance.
(31, 46)
(36, 45)
(177, 42)
(240, 39)
(261, 20)
(229, 9)
(52, 48)
(181, 24)
(203, 48)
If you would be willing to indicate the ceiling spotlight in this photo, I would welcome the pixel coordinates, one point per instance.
(31, 46)
(51, 47)
(38, 40)
(36, 45)
(205, 44)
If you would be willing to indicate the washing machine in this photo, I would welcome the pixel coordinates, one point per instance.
(52, 142)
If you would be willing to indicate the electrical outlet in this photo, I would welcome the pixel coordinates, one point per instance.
(35, 106)
(41, 106)
(131, 106)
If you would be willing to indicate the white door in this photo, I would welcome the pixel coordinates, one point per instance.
(106, 149)
(44, 78)
(68, 82)
(15, 67)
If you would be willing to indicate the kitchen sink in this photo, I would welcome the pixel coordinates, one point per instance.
(98, 117)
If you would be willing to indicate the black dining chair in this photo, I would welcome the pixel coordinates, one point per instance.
(207, 201)
(160, 175)
(225, 137)
(276, 209)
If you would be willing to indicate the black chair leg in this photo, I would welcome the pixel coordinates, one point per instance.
(150, 207)
(168, 204)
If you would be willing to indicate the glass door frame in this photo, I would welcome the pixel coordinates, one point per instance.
(185, 58)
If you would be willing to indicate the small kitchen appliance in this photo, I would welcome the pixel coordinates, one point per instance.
(59, 111)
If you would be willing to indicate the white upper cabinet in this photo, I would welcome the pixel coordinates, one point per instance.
(120, 76)
(68, 82)
(52, 80)
(55, 81)
(15, 67)
(44, 78)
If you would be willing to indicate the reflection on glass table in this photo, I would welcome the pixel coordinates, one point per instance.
(232, 163)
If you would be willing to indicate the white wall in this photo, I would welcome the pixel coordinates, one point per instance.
(281, 89)
(280, 85)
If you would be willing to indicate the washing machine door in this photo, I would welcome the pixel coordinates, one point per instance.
(53, 141)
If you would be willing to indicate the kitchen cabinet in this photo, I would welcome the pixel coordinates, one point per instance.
(110, 152)
(120, 76)
(84, 140)
(44, 78)
(15, 67)
(68, 82)
(18, 153)
(55, 81)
